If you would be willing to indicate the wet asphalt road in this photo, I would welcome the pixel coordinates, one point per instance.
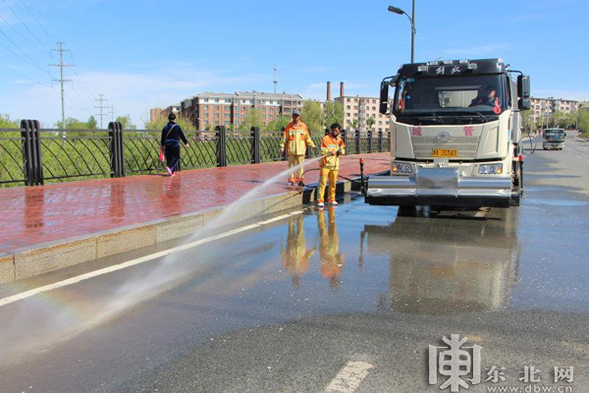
(288, 306)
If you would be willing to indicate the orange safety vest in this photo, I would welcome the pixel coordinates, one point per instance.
(329, 144)
(296, 139)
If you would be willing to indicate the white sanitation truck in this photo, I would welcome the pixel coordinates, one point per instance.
(457, 126)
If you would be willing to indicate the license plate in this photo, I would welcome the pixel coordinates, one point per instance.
(452, 153)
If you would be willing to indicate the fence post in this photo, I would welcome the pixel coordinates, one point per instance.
(255, 145)
(358, 145)
(380, 141)
(114, 157)
(35, 127)
(369, 141)
(221, 146)
(121, 150)
(26, 150)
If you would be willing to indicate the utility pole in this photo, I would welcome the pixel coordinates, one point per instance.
(413, 33)
(112, 113)
(101, 107)
(62, 81)
(275, 79)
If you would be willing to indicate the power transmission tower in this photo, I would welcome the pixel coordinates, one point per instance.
(275, 79)
(101, 107)
(62, 81)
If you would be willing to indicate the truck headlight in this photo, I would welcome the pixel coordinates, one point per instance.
(401, 167)
(491, 169)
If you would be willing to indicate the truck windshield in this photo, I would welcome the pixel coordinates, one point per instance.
(473, 95)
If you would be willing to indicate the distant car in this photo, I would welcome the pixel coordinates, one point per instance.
(553, 138)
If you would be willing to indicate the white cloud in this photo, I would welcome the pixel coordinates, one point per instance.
(318, 91)
(130, 93)
(576, 95)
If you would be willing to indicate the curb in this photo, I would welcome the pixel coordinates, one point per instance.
(31, 261)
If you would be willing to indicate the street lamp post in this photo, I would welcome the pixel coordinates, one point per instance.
(412, 20)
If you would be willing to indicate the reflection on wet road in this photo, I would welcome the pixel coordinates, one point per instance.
(286, 307)
(446, 265)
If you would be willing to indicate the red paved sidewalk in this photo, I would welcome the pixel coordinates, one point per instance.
(34, 215)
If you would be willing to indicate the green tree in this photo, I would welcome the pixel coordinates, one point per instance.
(126, 122)
(370, 122)
(353, 124)
(278, 124)
(72, 123)
(584, 121)
(252, 119)
(161, 121)
(559, 119)
(529, 122)
(312, 116)
(333, 112)
(5, 122)
(92, 124)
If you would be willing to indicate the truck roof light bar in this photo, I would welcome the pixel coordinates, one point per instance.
(432, 63)
(422, 68)
(463, 61)
(448, 62)
(472, 66)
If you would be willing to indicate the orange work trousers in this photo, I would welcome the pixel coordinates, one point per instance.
(293, 161)
(331, 174)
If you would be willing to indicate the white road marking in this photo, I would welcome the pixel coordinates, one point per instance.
(349, 378)
(133, 262)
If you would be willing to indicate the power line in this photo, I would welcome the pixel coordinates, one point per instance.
(81, 100)
(62, 81)
(39, 23)
(22, 76)
(101, 107)
(25, 37)
(30, 60)
(27, 27)
(82, 81)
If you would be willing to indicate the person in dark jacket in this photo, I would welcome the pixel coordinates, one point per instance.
(486, 96)
(171, 135)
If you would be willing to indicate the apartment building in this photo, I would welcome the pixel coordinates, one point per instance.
(211, 109)
(156, 113)
(361, 109)
(545, 107)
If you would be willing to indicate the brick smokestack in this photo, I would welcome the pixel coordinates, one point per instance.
(328, 91)
(341, 89)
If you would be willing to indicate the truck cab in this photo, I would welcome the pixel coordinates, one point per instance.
(457, 125)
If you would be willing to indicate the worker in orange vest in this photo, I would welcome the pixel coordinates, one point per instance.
(296, 139)
(332, 146)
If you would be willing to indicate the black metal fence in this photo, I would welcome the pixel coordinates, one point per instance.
(32, 156)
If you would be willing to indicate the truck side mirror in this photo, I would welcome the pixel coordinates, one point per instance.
(524, 92)
(384, 97)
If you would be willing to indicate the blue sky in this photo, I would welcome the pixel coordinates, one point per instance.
(145, 53)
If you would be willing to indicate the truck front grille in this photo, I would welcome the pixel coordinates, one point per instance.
(465, 145)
